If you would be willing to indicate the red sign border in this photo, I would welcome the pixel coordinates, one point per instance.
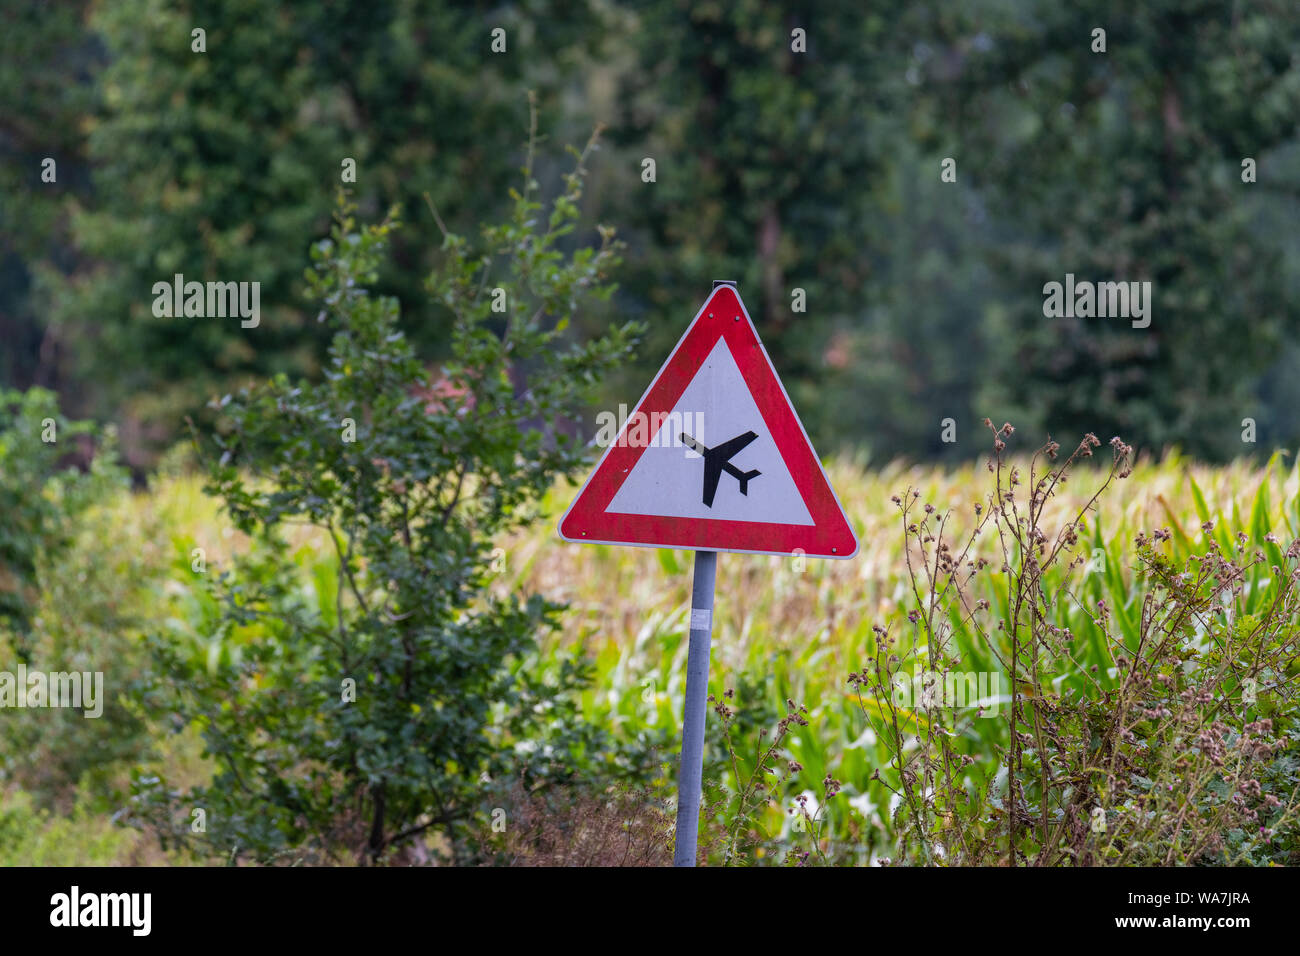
(723, 316)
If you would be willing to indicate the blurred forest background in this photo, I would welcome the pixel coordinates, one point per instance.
(817, 170)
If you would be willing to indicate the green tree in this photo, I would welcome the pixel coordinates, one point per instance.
(1127, 164)
(47, 60)
(770, 146)
(220, 165)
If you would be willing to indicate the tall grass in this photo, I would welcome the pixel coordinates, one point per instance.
(782, 631)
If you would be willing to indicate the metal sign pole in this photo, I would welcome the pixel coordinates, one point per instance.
(691, 771)
(690, 774)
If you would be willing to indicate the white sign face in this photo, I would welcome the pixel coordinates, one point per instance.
(669, 479)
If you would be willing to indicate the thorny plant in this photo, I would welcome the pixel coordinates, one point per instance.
(1155, 738)
(743, 833)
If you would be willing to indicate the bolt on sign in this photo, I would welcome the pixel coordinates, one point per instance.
(714, 458)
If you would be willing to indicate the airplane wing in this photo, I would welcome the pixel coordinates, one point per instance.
(728, 449)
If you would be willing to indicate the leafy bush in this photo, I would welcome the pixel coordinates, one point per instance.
(30, 836)
(40, 496)
(360, 716)
(75, 585)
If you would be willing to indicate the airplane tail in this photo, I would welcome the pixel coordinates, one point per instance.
(745, 479)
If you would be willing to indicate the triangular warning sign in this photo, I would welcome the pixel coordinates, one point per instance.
(714, 457)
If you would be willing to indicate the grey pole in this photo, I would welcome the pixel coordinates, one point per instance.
(691, 770)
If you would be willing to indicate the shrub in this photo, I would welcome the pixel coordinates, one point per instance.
(41, 496)
(735, 826)
(74, 587)
(30, 836)
(1154, 733)
(365, 714)
(620, 826)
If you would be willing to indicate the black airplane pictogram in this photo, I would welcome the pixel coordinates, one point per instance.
(717, 460)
